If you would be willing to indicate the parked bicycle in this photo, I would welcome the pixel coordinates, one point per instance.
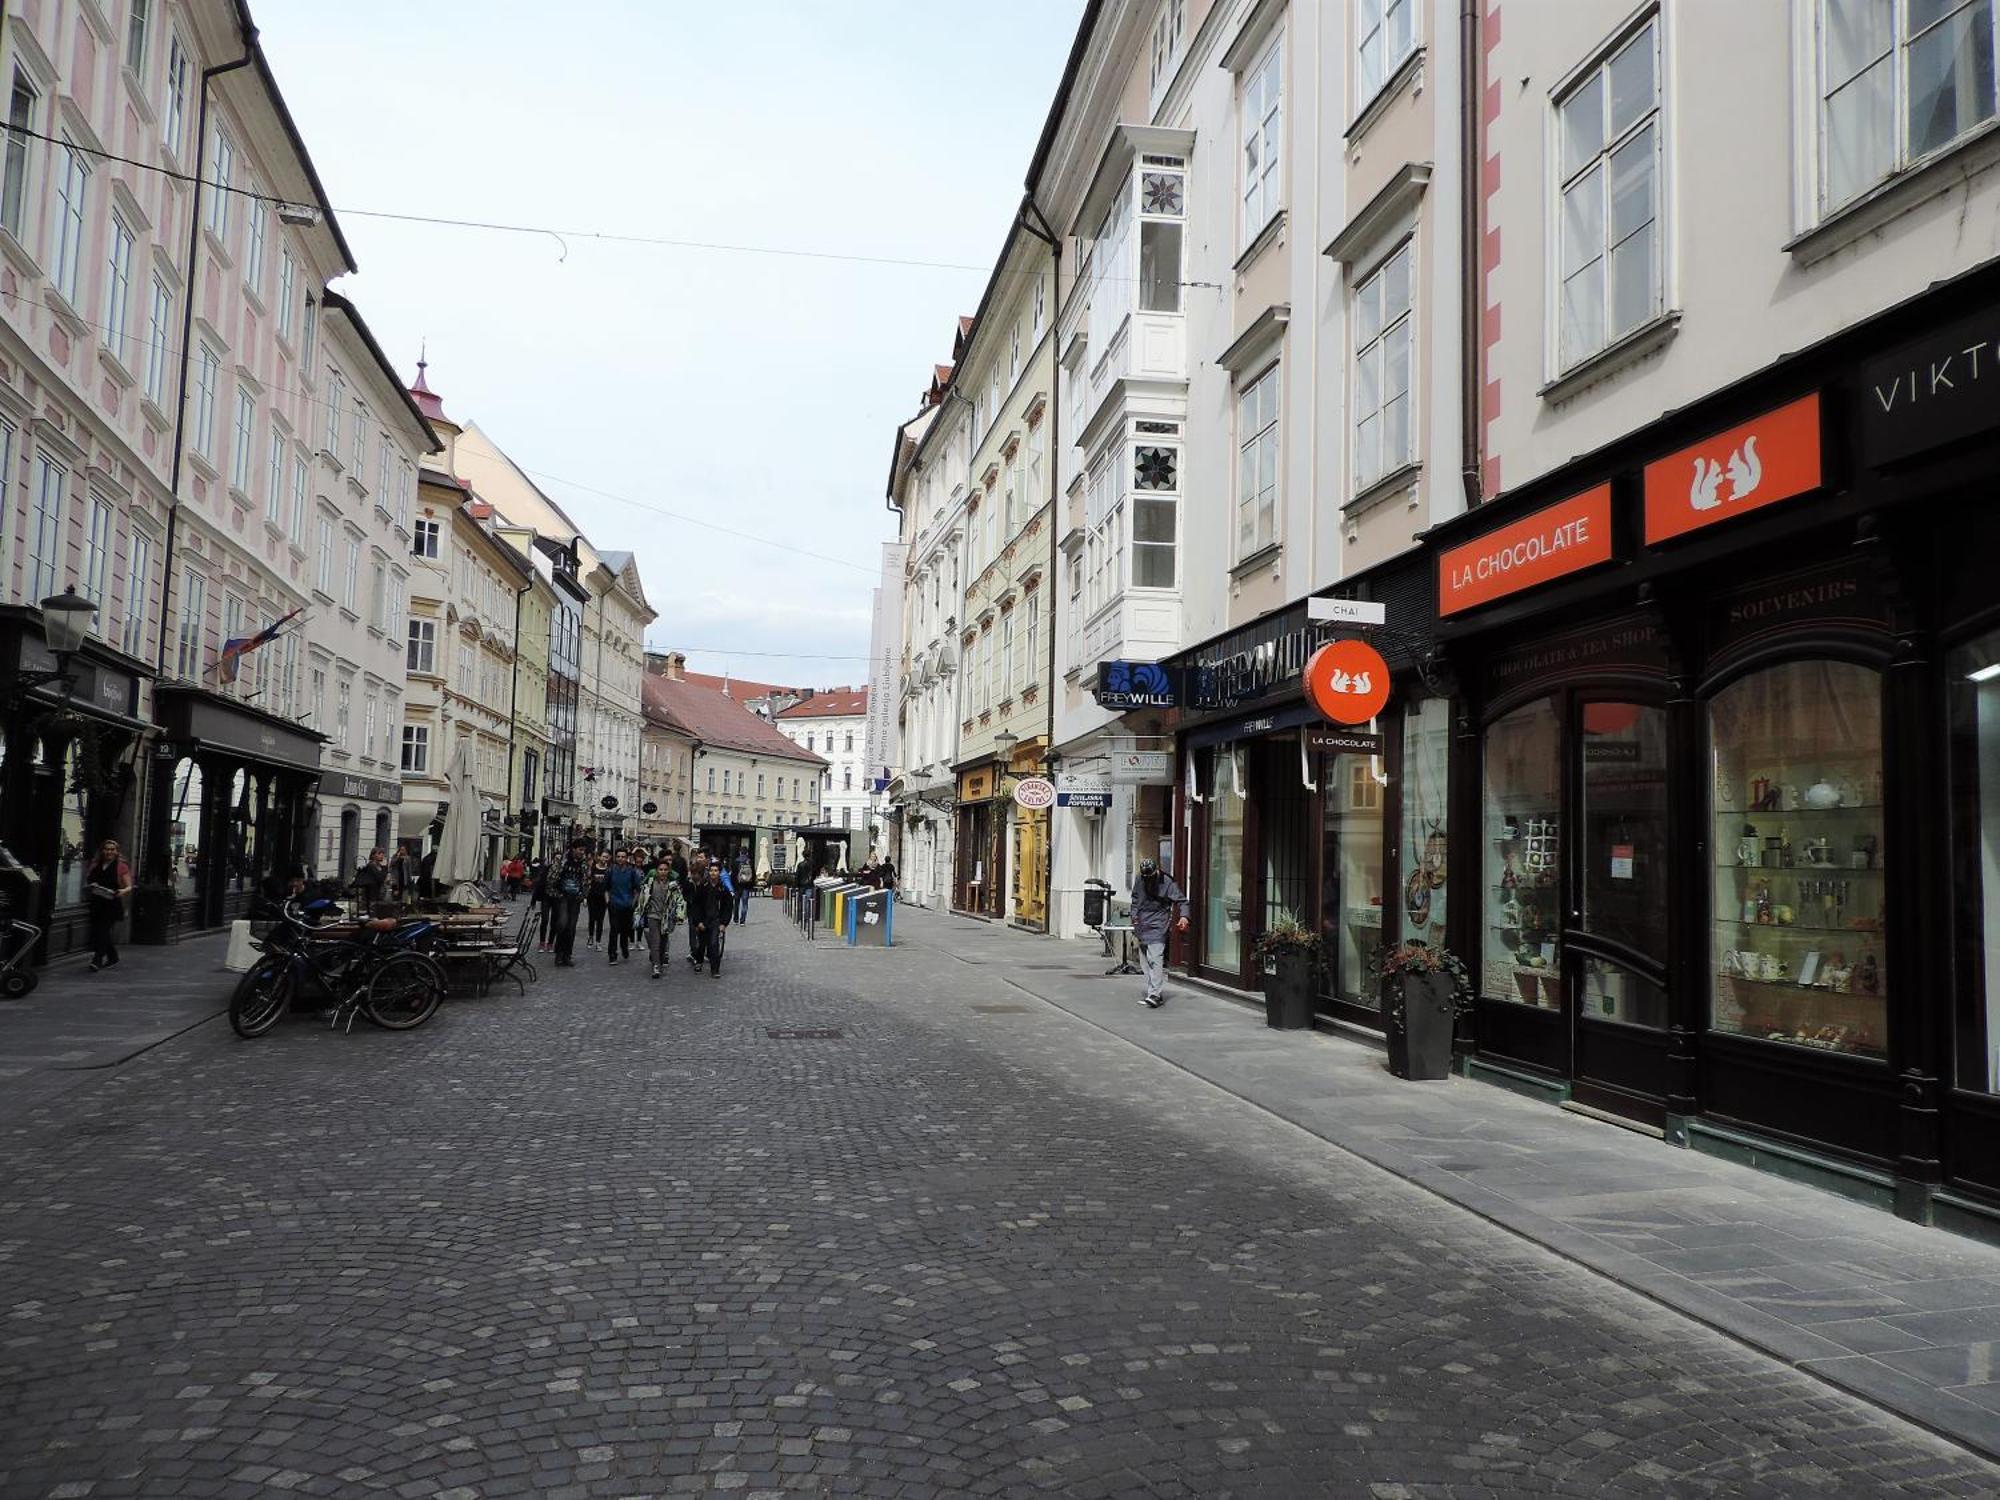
(382, 968)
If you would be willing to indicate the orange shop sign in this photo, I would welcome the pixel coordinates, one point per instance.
(1567, 537)
(1767, 459)
(1348, 681)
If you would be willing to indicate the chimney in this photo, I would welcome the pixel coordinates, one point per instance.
(667, 664)
(676, 664)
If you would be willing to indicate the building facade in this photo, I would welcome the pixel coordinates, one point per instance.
(833, 724)
(666, 761)
(611, 722)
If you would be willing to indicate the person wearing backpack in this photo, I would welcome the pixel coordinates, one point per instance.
(664, 907)
(570, 878)
(1157, 905)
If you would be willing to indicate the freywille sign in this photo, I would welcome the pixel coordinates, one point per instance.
(1935, 390)
(1255, 661)
(1127, 685)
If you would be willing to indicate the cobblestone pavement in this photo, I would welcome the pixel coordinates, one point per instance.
(616, 1239)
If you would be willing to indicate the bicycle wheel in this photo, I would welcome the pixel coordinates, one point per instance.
(262, 997)
(405, 991)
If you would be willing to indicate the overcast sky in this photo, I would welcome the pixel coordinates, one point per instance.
(755, 392)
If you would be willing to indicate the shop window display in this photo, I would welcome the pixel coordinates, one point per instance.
(1426, 763)
(1351, 870)
(1799, 895)
(1975, 685)
(1625, 855)
(1522, 849)
(1222, 903)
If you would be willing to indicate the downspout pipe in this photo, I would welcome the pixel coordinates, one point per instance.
(1471, 322)
(514, 692)
(1042, 230)
(187, 336)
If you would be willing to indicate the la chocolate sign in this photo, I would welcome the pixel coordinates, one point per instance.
(1563, 538)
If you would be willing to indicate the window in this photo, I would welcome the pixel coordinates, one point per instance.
(336, 397)
(422, 656)
(194, 603)
(288, 293)
(45, 527)
(1257, 464)
(1383, 439)
(809, 739)
(849, 745)
(711, 778)
(1523, 858)
(221, 163)
(316, 710)
(232, 619)
(760, 785)
(1974, 678)
(403, 473)
(1263, 141)
(207, 366)
(1029, 602)
(1041, 303)
(1387, 37)
(424, 540)
(299, 485)
(1798, 954)
(383, 453)
(360, 454)
(97, 555)
(368, 725)
(253, 258)
(323, 564)
(175, 132)
(1896, 84)
(288, 675)
(1610, 260)
(846, 785)
(72, 180)
(118, 290)
(138, 594)
(464, 677)
(350, 574)
(274, 479)
(1162, 205)
(1104, 519)
(159, 329)
(246, 426)
(20, 120)
(1156, 480)
(343, 701)
(1006, 663)
(1169, 27)
(136, 25)
(378, 594)
(311, 337)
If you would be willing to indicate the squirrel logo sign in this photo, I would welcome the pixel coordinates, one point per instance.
(1348, 681)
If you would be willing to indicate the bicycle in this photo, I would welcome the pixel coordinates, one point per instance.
(390, 975)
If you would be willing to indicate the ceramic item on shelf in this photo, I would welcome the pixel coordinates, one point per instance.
(1850, 792)
(1748, 850)
(1822, 794)
(1508, 879)
(1765, 910)
(1869, 975)
(1785, 915)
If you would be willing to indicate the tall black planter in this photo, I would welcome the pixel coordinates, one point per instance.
(1288, 984)
(1420, 1036)
(152, 914)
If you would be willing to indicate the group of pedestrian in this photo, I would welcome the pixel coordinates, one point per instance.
(636, 895)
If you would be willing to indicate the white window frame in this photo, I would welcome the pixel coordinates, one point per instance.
(1374, 354)
(173, 124)
(274, 477)
(1645, 30)
(253, 252)
(100, 521)
(221, 167)
(1007, 663)
(69, 218)
(138, 592)
(424, 539)
(245, 432)
(1139, 500)
(323, 563)
(17, 183)
(1250, 448)
(416, 757)
(159, 333)
(1375, 28)
(350, 573)
(208, 366)
(420, 647)
(189, 632)
(288, 293)
(118, 289)
(336, 397)
(301, 484)
(1260, 103)
(138, 34)
(1165, 45)
(48, 503)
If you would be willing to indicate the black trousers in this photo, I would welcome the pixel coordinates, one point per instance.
(544, 915)
(104, 917)
(708, 945)
(597, 906)
(565, 920)
(620, 945)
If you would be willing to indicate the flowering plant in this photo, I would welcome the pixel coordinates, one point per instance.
(1285, 933)
(1421, 960)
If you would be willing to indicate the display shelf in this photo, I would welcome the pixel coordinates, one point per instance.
(1796, 812)
(1828, 870)
(1874, 930)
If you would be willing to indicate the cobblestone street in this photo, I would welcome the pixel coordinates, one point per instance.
(618, 1238)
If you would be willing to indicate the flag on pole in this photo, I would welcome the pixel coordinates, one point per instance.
(238, 647)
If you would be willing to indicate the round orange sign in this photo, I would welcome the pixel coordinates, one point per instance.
(1347, 681)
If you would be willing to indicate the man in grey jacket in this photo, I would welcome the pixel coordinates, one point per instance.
(1157, 905)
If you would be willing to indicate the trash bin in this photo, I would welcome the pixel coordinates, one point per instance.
(1096, 902)
(843, 898)
(824, 887)
(871, 919)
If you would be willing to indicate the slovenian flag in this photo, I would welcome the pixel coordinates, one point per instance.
(235, 649)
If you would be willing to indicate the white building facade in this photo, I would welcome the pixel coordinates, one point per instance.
(832, 723)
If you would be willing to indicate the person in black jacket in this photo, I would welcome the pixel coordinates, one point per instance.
(709, 911)
(566, 883)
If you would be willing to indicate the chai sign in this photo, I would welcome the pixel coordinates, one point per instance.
(1348, 681)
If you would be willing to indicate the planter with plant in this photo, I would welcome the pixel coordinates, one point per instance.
(1424, 992)
(1288, 954)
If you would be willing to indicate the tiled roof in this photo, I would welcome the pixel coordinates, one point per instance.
(742, 689)
(715, 720)
(830, 703)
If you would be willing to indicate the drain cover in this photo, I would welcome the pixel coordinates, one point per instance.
(803, 1033)
(1001, 1010)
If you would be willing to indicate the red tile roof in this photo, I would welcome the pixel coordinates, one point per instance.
(742, 689)
(716, 720)
(830, 703)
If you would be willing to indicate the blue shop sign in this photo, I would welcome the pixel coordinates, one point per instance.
(1098, 800)
(1127, 685)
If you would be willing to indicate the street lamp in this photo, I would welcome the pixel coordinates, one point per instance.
(65, 622)
(1005, 741)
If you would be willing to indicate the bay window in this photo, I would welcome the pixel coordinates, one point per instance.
(1156, 483)
(1382, 326)
(1609, 205)
(1162, 208)
(1257, 464)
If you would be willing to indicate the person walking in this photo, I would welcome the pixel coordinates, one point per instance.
(709, 911)
(569, 878)
(621, 889)
(541, 903)
(108, 881)
(887, 867)
(746, 882)
(1157, 905)
(664, 907)
(598, 898)
(371, 882)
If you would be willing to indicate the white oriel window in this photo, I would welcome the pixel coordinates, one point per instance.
(274, 479)
(206, 368)
(72, 182)
(1156, 486)
(1610, 266)
(1388, 35)
(137, 23)
(194, 604)
(417, 748)
(424, 540)
(1897, 83)
(138, 594)
(20, 149)
(1104, 522)
(221, 165)
(1257, 464)
(45, 527)
(1383, 431)
(253, 256)
(351, 574)
(288, 293)
(1262, 112)
(422, 656)
(299, 487)
(97, 556)
(159, 330)
(323, 562)
(246, 427)
(118, 291)
(174, 132)
(1162, 209)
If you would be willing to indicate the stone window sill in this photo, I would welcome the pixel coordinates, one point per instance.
(1647, 339)
(1264, 555)
(1402, 477)
(1265, 238)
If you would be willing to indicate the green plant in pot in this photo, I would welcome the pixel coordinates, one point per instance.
(1288, 954)
(1424, 991)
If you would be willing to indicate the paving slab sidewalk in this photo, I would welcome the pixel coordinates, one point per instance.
(1904, 1316)
(76, 1023)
